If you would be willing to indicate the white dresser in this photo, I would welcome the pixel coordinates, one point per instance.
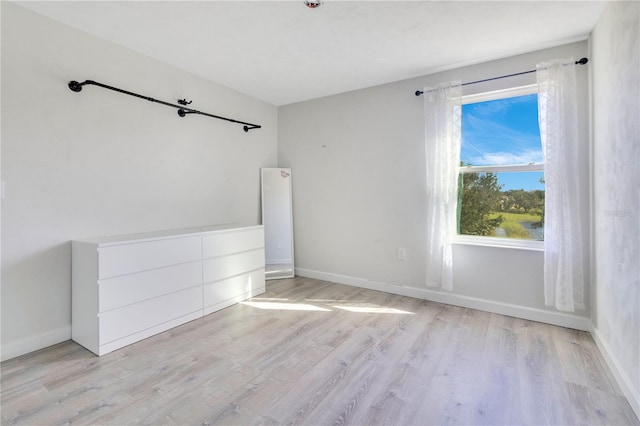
(130, 287)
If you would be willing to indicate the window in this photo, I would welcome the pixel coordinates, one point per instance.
(501, 180)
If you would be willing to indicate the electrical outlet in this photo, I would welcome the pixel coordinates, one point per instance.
(402, 253)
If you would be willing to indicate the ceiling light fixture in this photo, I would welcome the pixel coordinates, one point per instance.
(312, 4)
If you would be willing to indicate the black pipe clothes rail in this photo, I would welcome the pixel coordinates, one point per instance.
(182, 110)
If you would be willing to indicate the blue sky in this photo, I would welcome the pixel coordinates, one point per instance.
(503, 132)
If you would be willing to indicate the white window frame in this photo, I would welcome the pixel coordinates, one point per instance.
(532, 167)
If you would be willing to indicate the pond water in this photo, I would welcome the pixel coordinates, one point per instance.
(536, 233)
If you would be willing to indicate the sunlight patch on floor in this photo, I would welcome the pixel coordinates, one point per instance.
(360, 306)
(345, 305)
(373, 309)
(286, 306)
(269, 299)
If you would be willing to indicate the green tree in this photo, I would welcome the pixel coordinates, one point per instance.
(540, 199)
(523, 200)
(479, 196)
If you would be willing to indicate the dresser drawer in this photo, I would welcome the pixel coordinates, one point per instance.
(130, 319)
(128, 258)
(219, 268)
(127, 289)
(232, 242)
(235, 289)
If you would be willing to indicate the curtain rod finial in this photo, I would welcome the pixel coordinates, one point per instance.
(582, 61)
(418, 92)
(75, 86)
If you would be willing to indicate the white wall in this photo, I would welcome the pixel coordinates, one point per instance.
(101, 163)
(359, 193)
(616, 143)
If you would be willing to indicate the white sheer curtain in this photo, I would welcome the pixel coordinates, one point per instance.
(558, 117)
(442, 149)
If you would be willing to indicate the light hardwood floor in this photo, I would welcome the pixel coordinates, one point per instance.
(314, 353)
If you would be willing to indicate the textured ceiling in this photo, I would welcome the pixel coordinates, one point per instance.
(283, 52)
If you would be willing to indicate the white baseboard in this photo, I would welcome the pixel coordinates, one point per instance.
(630, 392)
(524, 312)
(34, 343)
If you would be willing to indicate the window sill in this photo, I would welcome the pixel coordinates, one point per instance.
(499, 242)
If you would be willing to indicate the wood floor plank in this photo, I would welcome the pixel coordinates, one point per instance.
(311, 352)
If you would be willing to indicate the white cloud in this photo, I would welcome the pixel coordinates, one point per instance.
(506, 158)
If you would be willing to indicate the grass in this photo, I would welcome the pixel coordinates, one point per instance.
(517, 217)
(515, 230)
(512, 223)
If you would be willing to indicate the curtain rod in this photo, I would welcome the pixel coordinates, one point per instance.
(582, 61)
(182, 111)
